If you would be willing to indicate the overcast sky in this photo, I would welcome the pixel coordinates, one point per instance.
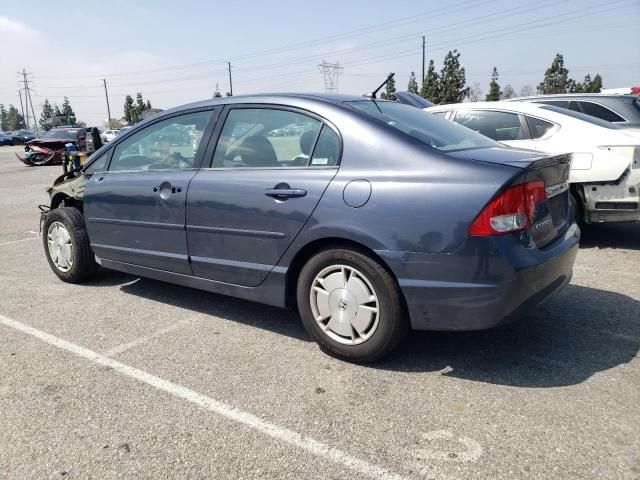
(175, 51)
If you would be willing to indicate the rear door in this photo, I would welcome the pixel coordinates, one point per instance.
(135, 211)
(265, 176)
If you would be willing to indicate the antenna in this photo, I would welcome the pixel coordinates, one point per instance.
(330, 72)
(372, 95)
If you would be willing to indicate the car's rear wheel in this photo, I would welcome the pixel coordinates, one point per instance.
(66, 244)
(351, 305)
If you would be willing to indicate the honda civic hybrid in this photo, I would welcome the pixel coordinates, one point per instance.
(368, 217)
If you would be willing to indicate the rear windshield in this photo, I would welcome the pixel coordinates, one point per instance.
(581, 116)
(62, 134)
(425, 127)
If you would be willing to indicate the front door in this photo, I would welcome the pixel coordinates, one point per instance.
(135, 211)
(269, 170)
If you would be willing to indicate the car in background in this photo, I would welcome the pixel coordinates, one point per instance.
(413, 99)
(605, 168)
(109, 135)
(6, 139)
(24, 136)
(49, 148)
(623, 110)
(373, 218)
(122, 130)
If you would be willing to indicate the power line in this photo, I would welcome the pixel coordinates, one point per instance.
(330, 73)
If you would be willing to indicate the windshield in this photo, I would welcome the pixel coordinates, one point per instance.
(63, 134)
(425, 127)
(581, 116)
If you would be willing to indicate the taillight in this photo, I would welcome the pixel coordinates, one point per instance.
(511, 211)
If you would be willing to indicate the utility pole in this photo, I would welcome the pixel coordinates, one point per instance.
(104, 81)
(21, 107)
(330, 72)
(230, 82)
(424, 44)
(35, 121)
(27, 101)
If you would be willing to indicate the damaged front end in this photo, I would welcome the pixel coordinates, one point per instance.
(42, 153)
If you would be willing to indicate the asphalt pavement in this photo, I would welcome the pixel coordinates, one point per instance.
(126, 377)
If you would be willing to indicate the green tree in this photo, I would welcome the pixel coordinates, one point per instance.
(413, 84)
(56, 110)
(556, 78)
(130, 111)
(494, 93)
(4, 118)
(140, 106)
(596, 84)
(389, 90)
(147, 106)
(431, 86)
(508, 92)
(15, 121)
(68, 111)
(47, 113)
(453, 80)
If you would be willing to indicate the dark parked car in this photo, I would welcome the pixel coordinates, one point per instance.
(24, 136)
(623, 110)
(374, 218)
(6, 138)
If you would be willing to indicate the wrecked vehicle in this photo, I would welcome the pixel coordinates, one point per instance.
(49, 148)
(605, 168)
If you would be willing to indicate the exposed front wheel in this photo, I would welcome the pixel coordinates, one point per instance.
(351, 305)
(66, 245)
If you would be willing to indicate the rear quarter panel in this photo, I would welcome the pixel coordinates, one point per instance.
(421, 200)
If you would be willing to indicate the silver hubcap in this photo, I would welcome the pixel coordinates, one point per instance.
(344, 304)
(60, 246)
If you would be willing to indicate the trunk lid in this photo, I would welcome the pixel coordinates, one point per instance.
(552, 215)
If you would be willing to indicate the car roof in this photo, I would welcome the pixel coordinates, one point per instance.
(571, 95)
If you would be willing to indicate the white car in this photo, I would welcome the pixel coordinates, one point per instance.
(109, 135)
(605, 168)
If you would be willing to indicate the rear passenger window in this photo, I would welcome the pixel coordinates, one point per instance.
(596, 110)
(268, 138)
(501, 126)
(440, 114)
(327, 149)
(538, 127)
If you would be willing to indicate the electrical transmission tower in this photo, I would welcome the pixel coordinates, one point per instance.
(330, 72)
(27, 100)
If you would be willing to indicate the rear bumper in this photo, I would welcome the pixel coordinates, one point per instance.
(486, 283)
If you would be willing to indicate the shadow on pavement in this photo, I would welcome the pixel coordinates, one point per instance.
(578, 333)
(565, 341)
(277, 320)
(611, 235)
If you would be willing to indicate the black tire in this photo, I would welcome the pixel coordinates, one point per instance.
(392, 323)
(83, 263)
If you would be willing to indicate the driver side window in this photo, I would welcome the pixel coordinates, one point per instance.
(170, 144)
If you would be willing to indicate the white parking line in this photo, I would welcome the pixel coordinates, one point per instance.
(139, 341)
(247, 419)
(18, 241)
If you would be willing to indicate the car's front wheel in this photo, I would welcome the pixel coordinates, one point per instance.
(66, 245)
(351, 305)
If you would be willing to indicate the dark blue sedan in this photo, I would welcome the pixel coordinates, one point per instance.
(6, 139)
(369, 217)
